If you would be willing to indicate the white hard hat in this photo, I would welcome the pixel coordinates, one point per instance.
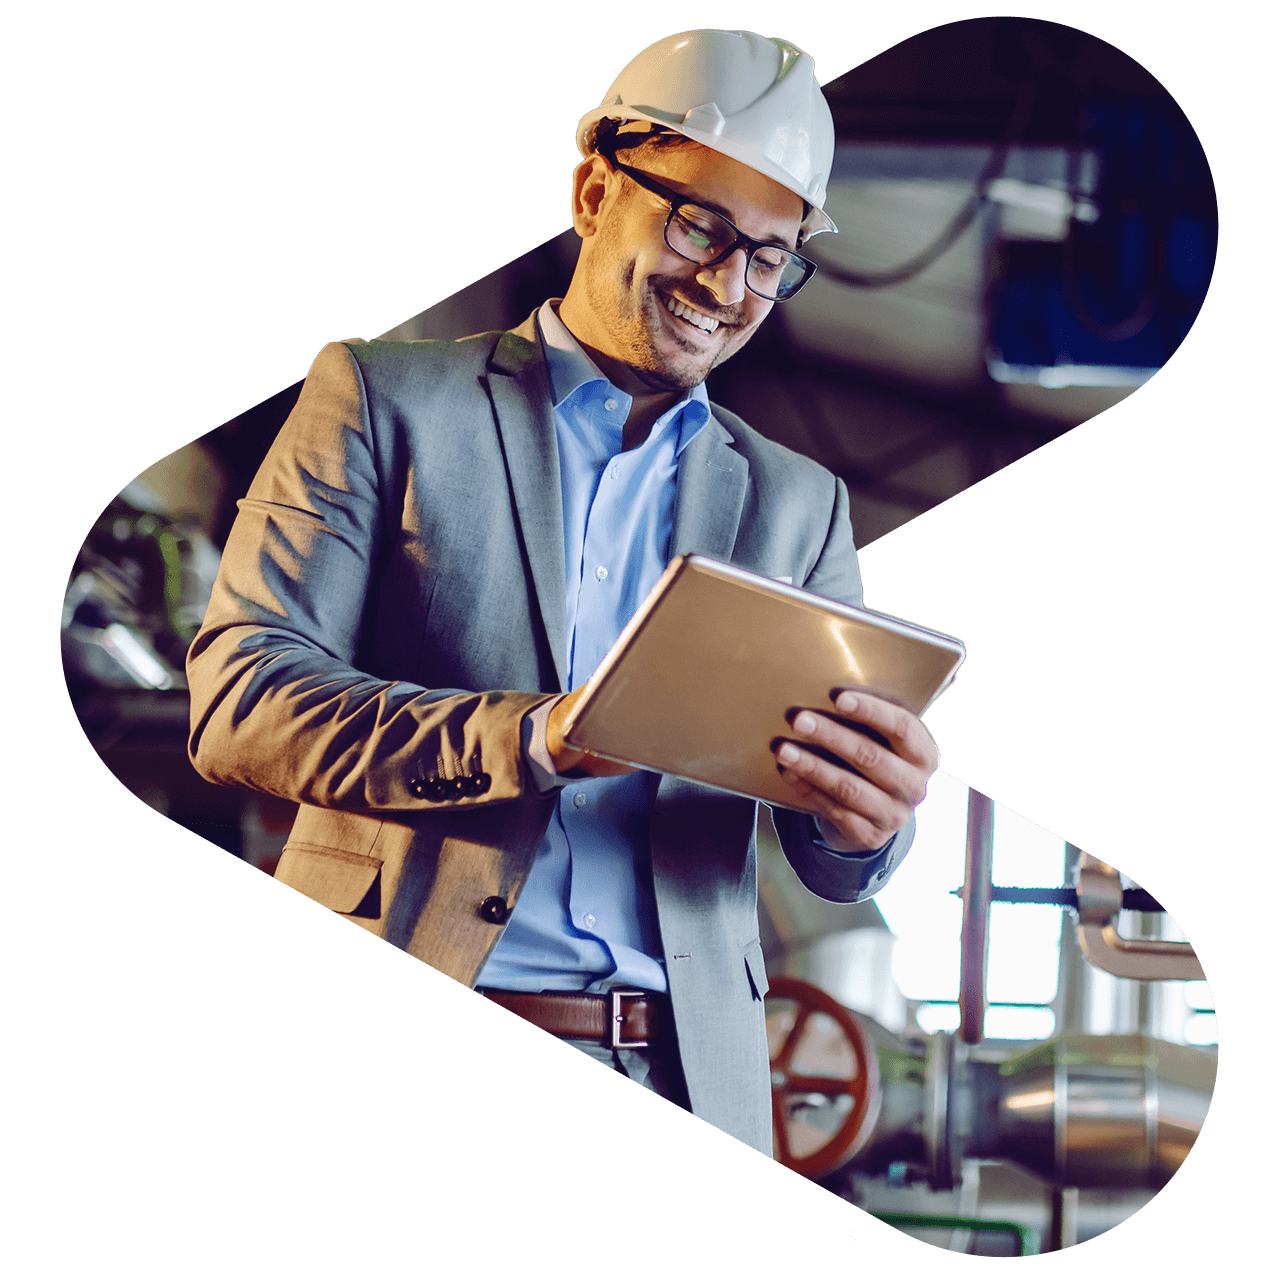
(753, 99)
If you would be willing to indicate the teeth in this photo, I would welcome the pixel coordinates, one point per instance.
(686, 312)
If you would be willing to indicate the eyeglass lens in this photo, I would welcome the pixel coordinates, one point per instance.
(701, 236)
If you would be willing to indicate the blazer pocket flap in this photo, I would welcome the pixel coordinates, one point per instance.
(331, 877)
(755, 970)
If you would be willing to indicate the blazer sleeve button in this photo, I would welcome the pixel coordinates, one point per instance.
(482, 783)
(419, 788)
(494, 910)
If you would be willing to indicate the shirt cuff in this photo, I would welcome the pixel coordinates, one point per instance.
(866, 855)
(542, 772)
(533, 740)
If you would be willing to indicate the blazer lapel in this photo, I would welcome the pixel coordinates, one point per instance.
(711, 482)
(522, 404)
(710, 488)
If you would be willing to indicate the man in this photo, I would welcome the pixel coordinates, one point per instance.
(446, 536)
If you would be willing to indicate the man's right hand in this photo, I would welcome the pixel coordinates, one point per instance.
(565, 757)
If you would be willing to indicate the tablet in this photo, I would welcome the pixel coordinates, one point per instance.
(701, 680)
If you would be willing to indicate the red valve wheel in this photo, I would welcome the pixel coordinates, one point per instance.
(826, 1056)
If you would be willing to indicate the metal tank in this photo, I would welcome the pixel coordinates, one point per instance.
(1091, 1111)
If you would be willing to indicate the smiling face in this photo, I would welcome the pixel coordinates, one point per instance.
(633, 300)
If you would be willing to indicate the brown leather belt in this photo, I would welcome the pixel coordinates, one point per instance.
(618, 1019)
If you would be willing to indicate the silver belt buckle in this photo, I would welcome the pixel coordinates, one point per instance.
(617, 1017)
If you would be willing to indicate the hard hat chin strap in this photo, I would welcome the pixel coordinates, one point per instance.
(611, 136)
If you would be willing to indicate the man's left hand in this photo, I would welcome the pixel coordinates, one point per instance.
(861, 806)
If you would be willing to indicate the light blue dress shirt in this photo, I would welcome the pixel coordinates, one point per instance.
(586, 917)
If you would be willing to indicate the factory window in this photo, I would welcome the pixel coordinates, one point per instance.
(1025, 956)
(1191, 1017)
(1022, 958)
(918, 907)
(1179, 1012)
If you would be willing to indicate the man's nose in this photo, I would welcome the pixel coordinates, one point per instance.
(727, 279)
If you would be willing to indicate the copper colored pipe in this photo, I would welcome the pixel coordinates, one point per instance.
(976, 898)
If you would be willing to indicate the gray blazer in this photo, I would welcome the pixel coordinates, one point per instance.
(391, 604)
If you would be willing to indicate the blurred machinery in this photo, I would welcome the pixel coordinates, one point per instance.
(1091, 200)
(984, 1146)
(138, 592)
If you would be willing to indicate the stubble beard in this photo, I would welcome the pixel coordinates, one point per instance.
(636, 325)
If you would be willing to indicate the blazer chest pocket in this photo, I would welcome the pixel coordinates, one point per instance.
(756, 976)
(349, 883)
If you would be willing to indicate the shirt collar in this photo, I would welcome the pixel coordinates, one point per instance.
(569, 367)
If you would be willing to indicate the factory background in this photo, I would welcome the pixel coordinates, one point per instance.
(1027, 232)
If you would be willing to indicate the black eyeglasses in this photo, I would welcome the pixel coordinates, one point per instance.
(701, 235)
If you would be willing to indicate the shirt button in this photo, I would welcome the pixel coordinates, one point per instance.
(613, 471)
(601, 572)
(579, 800)
(611, 404)
(588, 920)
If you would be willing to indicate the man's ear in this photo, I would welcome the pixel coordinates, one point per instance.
(590, 187)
